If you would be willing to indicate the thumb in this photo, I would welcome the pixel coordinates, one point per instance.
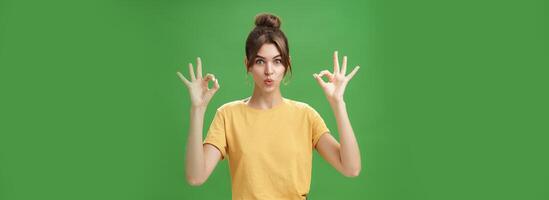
(215, 87)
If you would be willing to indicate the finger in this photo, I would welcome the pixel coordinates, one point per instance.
(327, 74)
(209, 77)
(198, 67)
(214, 89)
(185, 81)
(344, 65)
(191, 72)
(336, 63)
(319, 80)
(216, 85)
(353, 73)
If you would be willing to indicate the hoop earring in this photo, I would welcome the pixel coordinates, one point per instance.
(285, 81)
(248, 79)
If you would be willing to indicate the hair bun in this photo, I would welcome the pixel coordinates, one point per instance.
(267, 20)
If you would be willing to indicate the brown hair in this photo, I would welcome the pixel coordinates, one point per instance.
(267, 31)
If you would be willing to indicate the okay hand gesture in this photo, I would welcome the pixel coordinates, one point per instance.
(198, 86)
(337, 81)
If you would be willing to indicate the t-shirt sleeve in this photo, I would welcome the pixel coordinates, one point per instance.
(317, 124)
(216, 133)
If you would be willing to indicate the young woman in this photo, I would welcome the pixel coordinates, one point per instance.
(268, 139)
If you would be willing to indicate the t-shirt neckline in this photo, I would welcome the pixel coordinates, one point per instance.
(276, 107)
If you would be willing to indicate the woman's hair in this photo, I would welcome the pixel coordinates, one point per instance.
(267, 31)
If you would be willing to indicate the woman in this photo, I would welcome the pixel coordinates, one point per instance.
(267, 138)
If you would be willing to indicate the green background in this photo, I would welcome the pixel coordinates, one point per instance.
(450, 101)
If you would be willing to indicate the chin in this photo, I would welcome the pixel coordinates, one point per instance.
(269, 89)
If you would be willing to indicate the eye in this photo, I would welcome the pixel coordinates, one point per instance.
(259, 61)
(278, 61)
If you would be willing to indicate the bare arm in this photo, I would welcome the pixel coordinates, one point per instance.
(345, 157)
(200, 160)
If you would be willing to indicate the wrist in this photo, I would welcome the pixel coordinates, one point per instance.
(198, 109)
(336, 104)
(336, 101)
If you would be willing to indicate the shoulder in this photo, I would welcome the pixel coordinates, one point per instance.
(229, 106)
(300, 106)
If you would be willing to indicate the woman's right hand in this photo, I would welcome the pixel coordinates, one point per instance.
(198, 87)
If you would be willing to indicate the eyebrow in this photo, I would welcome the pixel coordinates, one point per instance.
(264, 57)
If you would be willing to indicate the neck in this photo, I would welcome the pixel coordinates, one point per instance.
(265, 100)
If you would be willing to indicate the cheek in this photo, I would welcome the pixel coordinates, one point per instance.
(258, 75)
(282, 70)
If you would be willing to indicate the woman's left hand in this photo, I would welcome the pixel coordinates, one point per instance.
(337, 81)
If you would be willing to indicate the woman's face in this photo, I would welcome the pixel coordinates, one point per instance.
(267, 69)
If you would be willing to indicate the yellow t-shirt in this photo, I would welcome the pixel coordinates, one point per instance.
(269, 151)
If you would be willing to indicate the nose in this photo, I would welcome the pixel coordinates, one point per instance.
(269, 69)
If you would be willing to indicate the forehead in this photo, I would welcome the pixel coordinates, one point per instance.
(268, 51)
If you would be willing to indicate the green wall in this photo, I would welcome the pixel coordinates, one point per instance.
(450, 101)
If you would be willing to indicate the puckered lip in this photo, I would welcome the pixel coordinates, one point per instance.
(268, 80)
